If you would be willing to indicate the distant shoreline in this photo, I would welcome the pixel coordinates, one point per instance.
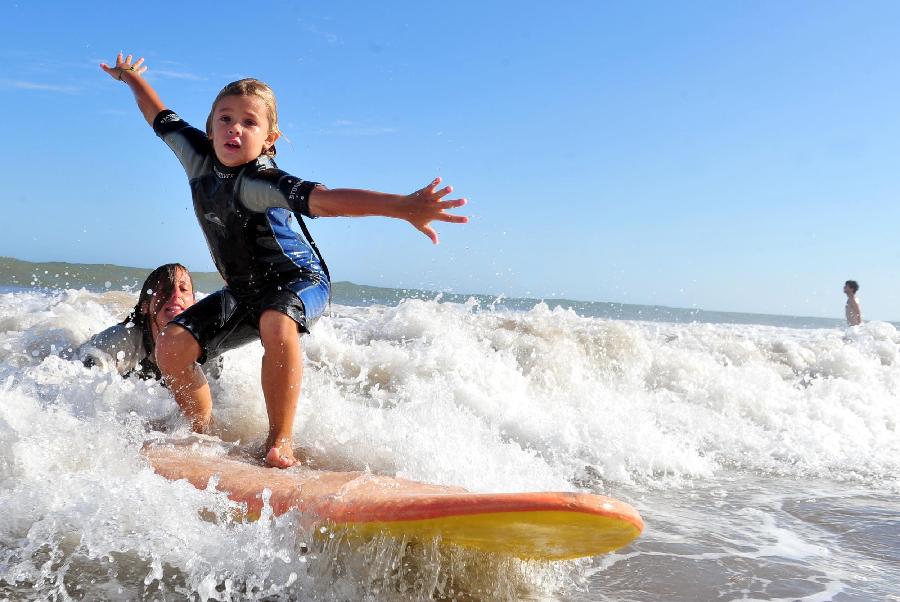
(98, 277)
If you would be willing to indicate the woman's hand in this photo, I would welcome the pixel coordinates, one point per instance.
(425, 206)
(124, 67)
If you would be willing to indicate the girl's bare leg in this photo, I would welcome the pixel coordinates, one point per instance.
(282, 375)
(177, 352)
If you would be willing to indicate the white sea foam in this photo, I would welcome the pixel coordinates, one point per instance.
(536, 399)
(439, 392)
(547, 395)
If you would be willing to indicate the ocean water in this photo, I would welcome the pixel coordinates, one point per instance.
(762, 452)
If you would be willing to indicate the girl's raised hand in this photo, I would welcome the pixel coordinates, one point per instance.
(146, 97)
(425, 205)
(124, 66)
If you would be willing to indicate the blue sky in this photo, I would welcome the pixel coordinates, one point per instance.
(739, 156)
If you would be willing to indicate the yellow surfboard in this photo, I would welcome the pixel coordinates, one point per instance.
(538, 525)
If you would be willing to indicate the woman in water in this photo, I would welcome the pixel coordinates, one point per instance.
(130, 345)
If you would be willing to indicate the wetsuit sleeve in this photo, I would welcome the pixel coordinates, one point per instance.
(190, 145)
(274, 188)
(118, 347)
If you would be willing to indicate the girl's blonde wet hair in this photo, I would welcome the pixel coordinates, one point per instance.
(250, 87)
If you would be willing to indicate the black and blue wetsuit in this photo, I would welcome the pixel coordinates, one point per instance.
(248, 215)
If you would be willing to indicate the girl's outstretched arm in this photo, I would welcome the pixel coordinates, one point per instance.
(130, 73)
(419, 208)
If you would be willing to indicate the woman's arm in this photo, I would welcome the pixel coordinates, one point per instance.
(419, 208)
(147, 99)
(118, 347)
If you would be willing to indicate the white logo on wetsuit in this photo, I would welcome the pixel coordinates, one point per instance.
(224, 176)
(293, 193)
(212, 217)
(170, 117)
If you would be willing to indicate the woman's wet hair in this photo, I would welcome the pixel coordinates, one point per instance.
(250, 87)
(157, 288)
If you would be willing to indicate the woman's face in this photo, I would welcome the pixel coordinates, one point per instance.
(181, 298)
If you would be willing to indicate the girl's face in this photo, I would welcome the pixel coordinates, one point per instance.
(240, 129)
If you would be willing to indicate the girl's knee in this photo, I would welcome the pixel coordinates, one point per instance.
(276, 327)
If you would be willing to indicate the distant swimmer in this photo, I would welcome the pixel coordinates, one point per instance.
(852, 310)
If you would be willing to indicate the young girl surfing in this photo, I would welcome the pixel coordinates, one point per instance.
(277, 283)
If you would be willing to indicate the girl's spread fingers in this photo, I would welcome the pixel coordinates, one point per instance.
(452, 204)
(443, 192)
(128, 59)
(138, 63)
(453, 219)
(430, 233)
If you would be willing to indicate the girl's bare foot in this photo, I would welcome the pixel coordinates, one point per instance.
(281, 454)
